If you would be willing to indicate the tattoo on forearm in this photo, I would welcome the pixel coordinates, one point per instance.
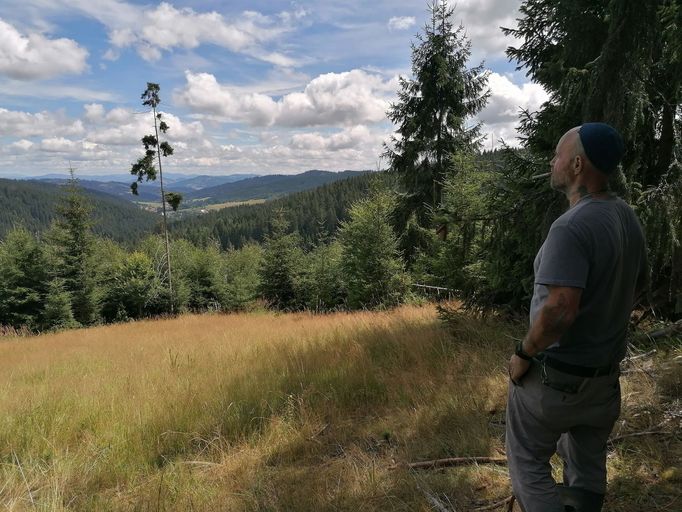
(553, 324)
(555, 315)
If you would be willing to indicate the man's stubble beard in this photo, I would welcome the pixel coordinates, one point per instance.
(559, 187)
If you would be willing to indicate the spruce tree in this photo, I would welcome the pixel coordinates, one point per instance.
(322, 281)
(24, 280)
(372, 267)
(433, 113)
(281, 265)
(57, 313)
(72, 242)
(200, 269)
(240, 270)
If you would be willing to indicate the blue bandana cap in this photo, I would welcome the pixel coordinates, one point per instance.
(603, 146)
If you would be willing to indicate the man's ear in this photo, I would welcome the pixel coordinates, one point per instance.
(578, 164)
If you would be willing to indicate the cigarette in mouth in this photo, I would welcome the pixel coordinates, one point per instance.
(538, 176)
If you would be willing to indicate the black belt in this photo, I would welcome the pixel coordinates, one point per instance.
(574, 369)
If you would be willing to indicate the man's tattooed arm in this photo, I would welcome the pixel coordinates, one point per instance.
(556, 316)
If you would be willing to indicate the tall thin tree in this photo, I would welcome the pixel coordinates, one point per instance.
(145, 168)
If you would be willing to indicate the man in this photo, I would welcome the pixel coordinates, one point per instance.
(564, 394)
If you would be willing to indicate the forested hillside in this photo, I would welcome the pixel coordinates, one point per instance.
(205, 181)
(265, 187)
(149, 192)
(31, 205)
(310, 213)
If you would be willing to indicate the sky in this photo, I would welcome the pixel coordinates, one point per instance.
(264, 87)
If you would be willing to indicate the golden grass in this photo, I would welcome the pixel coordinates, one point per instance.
(259, 411)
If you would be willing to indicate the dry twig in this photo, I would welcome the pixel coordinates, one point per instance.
(435, 502)
(616, 439)
(509, 502)
(640, 356)
(666, 332)
(455, 461)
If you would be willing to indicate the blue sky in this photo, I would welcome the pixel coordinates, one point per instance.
(261, 86)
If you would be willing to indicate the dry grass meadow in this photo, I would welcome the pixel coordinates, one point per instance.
(295, 412)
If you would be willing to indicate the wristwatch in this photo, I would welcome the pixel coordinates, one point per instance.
(519, 352)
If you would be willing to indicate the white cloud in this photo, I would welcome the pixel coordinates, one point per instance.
(122, 37)
(111, 54)
(148, 52)
(35, 57)
(166, 27)
(58, 145)
(101, 138)
(93, 112)
(331, 99)
(119, 116)
(347, 98)
(123, 127)
(401, 22)
(37, 90)
(204, 94)
(154, 29)
(350, 138)
(482, 20)
(507, 98)
(23, 145)
(275, 58)
(24, 124)
(500, 117)
(61, 149)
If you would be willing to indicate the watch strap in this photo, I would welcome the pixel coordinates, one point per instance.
(519, 352)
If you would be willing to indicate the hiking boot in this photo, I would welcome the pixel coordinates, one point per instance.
(576, 499)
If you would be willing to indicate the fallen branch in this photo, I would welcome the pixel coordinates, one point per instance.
(616, 439)
(455, 461)
(509, 502)
(666, 332)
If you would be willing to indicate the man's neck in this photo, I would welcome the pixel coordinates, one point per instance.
(582, 191)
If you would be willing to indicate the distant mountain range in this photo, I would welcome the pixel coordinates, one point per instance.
(264, 187)
(204, 190)
(205, 181)
(170, 178)
(148, 191)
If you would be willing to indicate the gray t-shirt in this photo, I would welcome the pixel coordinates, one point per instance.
(597, 245)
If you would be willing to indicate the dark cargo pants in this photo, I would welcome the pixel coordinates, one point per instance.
(542, 420)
